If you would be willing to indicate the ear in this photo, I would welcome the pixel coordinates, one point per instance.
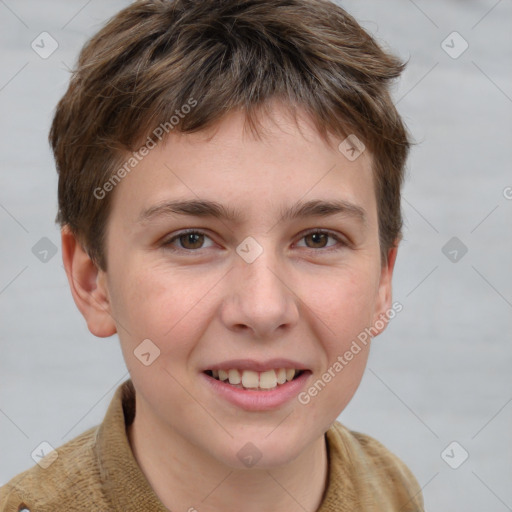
(88, 286)
(383, 304)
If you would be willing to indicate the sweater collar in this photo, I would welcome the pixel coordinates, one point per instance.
(120, 471)
(123, 482)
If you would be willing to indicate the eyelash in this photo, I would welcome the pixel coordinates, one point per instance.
(342, 243)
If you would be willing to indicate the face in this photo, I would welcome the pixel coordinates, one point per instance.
(270, 285)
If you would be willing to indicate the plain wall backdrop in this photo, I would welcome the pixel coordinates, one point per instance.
(439, 374)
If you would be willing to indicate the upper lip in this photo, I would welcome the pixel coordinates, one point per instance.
(257, 366)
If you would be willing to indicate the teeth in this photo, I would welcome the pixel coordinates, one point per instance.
(253, 380)
(249, 379)
(234, 377)
(268, 380)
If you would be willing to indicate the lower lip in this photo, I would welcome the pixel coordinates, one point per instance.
(253, 400)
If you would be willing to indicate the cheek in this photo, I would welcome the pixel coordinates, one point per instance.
(345, 308)
(347, 311)
(165, 306)
(346, 303)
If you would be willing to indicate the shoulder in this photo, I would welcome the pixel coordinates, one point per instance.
(59, 481)
(377, 473)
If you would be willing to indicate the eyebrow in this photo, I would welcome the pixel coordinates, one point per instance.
(206, 208)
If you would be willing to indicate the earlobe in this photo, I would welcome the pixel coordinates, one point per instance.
(88, 286)
(383, 305)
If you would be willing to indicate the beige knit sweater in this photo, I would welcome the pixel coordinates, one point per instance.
(97, 472)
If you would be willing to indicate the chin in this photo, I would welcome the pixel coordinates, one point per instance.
(263, 453)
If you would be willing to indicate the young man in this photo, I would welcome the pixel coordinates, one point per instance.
(229, 195)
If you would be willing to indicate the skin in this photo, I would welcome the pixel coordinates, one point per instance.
(303, 298)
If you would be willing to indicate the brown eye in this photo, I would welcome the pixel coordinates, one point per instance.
(191, 240)
(319, 240)
(322, 240)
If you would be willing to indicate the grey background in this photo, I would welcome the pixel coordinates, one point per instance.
(441, 371)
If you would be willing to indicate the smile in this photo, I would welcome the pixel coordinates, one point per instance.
(249, 379)
(256, 391)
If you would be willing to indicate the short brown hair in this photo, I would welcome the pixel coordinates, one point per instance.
(155, 55)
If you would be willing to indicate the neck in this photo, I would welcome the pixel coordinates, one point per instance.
(185, 478)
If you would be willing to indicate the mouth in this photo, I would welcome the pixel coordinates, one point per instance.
(256, 386)
(258, 381)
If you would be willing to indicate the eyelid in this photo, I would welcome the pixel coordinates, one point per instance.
(342, 241)
(166, 243)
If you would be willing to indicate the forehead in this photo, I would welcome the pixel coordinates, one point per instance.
(239, 174)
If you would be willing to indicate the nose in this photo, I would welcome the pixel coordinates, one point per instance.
(259, 298)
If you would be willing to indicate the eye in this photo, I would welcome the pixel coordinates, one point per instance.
(319, 240)
(188, 240)
(193, 240)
